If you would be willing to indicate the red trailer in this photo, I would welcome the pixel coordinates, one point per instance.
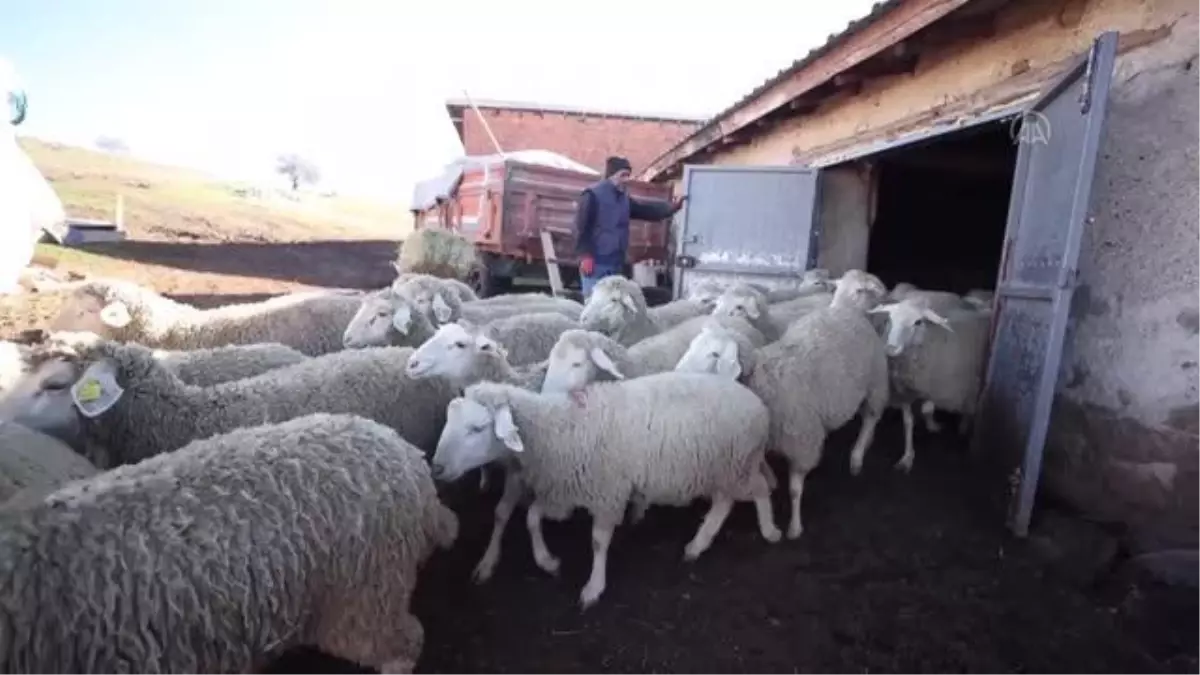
(503, 205)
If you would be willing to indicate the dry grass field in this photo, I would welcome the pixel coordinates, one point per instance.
(206, 241)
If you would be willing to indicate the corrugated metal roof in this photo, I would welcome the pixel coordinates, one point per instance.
(574, 110)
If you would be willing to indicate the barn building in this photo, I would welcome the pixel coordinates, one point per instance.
(584, 135)
(1046, 149)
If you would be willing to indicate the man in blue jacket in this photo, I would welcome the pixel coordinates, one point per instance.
(602, 222)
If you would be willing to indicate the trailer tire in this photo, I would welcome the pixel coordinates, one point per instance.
(487, 283)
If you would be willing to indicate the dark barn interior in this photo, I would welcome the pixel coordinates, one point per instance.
(942, 210)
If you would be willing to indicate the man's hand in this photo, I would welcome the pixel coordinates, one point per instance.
(587, 265)
(677, 203)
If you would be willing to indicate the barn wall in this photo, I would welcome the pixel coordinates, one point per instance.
(587, 139)
(1124, 440)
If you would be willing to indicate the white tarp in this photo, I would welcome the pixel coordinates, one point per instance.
(427, 193)
(28, 205)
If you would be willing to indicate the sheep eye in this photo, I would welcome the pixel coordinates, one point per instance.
(715, 355)
(460, 344)
(476, 429)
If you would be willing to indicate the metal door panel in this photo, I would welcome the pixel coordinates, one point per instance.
(753, 223)
(1059, 141)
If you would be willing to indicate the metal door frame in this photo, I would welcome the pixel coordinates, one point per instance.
(1100, 60)
(681, 232)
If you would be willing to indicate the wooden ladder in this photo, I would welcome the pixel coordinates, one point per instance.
(552, 270)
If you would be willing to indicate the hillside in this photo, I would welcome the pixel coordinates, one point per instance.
(203, 240)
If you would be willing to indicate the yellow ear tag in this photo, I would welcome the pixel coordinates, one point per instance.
(88, 391)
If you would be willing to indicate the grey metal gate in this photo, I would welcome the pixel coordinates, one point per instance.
(755, 223)
(1059, 138)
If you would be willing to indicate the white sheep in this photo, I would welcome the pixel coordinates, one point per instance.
(429, 297)
(670, 437)
(386, 319)
(463, 357)
(32, 460)
(937, 358)
(935, 300)
(310, 322)
(129, 407)
(827, 367)
(581, 357)
(458, 289)
(218, 556)
(206, 367)
(527, 338)
(981, 298)
(617, 308)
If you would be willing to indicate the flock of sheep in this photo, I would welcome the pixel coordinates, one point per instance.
(191, 490)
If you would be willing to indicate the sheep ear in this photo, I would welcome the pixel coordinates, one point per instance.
(441, 310)
(627, 300)
(752, 309)
(604, 363)
(402, 319)
(506, 430)
(881, 309)
(97, 390)
(116, 314)
(937, 318)
(728, 364)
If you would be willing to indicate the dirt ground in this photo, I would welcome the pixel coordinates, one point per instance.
(894, 573)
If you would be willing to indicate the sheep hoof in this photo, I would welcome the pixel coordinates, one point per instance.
(905, 464)
(549, 564)
(773, 535)
(855, 467)
(483, 571)
(795, 530)
(589, 596)
(691, 552)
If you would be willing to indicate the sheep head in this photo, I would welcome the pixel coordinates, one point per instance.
(452, 353)
(478, 431)
(579, 358)
(907, 323)
(742, 301)
(859, 289)
(713, 350)
(614, 302)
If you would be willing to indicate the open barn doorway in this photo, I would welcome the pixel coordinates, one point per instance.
(941, 210)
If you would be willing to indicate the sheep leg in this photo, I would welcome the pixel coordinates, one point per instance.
(602, 531)
(772, 481)
(931, 423)
(713, 520)
(541, 553)
(906, 461)
(483, 479)
(964, 424)
(761, 490)
(412, 640)
(796, 488)
(638, 506)
(504, 510)
(865, 435)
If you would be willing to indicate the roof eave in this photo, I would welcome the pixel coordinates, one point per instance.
(887, 25)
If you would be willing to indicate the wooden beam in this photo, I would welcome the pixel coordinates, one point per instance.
(882, 33)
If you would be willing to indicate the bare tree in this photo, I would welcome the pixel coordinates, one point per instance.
(112, 145)
(297, 169)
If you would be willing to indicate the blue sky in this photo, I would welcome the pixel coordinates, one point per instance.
(359, 85)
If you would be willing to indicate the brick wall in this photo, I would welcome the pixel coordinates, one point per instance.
(587, 139)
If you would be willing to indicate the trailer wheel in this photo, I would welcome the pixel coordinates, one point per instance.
(487, 283)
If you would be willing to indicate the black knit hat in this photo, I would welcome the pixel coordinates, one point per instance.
(615, 164)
